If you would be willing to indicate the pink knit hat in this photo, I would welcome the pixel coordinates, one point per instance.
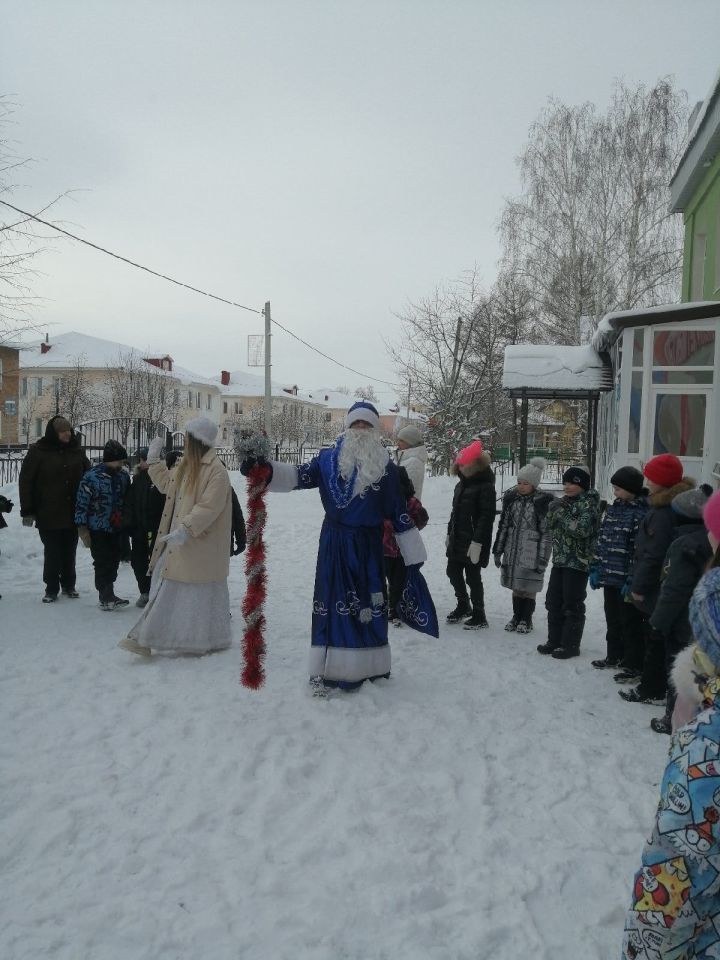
(470, 453)
(711, 515)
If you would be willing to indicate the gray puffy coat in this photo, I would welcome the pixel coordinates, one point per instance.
(523, 544)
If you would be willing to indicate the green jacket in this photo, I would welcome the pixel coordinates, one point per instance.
(573, 524)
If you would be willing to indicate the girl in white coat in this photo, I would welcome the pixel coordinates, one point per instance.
(189, 607)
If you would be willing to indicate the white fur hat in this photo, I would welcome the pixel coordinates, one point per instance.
(532, 472)
(411, 434)
(203, 430)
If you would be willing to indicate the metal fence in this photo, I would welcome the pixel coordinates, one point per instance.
(10, 463)
(132, 432)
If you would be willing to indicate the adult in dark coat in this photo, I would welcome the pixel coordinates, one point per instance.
(469, 533)
(665, 481)
(49, 479)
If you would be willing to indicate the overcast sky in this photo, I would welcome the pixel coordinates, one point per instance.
(337, 158)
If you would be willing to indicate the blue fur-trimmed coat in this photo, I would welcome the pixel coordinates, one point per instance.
(615, 545)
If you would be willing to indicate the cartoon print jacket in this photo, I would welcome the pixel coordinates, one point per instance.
(675, 911)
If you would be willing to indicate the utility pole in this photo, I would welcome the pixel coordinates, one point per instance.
(268, 366)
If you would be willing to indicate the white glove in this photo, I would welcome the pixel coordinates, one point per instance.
(177, 538)
(474, 551)
(155, 449)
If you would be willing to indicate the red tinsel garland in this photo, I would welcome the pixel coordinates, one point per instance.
(253, 675)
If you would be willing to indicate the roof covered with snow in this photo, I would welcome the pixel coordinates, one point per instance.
(244, 384)
(544, 370)
(612, 324)
(702, 148)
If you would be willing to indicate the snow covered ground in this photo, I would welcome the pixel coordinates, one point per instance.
(484, 802)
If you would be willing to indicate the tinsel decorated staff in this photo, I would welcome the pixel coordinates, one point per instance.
(253, 449)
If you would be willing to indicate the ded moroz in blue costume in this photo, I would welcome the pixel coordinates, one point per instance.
(359, 488)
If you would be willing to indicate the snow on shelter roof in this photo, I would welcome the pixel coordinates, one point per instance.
(545, 370)
(612, 324)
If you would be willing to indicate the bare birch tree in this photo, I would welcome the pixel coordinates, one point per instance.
(75, 394)
(591, 230)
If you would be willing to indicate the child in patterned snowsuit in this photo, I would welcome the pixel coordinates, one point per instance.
(611, 567)
(675, 907)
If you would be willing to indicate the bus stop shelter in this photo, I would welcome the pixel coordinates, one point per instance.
(553, 372)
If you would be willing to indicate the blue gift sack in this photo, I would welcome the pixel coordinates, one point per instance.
(416, 607)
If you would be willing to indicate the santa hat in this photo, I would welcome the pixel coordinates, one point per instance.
(532, 472)
(203, 430)
(665, 470)
(469, 454)
(362, 410)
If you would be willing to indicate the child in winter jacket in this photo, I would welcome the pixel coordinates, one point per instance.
(665, 481)
(98, 515)
(143, 508)
(675, 901)
(572, 523)
(685, 563)
(522, 546)
(469, 533)
(394, 563)
(610, 570)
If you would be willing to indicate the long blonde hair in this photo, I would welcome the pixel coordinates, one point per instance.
(189, 467)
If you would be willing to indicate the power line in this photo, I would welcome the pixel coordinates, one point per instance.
(187, 286)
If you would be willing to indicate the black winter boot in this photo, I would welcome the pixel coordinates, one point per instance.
(511, 625)
(477, 621)
(461, 610)
(527, 607)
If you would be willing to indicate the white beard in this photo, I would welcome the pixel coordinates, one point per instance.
(364, 450)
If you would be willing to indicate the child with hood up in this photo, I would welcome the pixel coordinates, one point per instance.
(522, 546)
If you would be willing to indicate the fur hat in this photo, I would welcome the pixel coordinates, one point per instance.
(665, 470)
(690, 504)
(630, 479)
(579, 475)
(113, 451)
(202, 429)
(61, 425)
(362, 410)
(411, 435)
(704, 613)
(711, 515)
(532, 472)
(469, 454)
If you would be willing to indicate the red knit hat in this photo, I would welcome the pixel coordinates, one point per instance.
(711, 515)
(470, 453)
(665, 470)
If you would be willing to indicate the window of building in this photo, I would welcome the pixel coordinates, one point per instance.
(190, 398)
(197, 400)
(680, 424)
(176, 398)
(23, 386)
(10, 408)
(638, 347)
(209, 402)
(224, 406)
(697, 273)
(224, 433)
(38, 427)
(38, 386)
(636, 393)
(683, 348)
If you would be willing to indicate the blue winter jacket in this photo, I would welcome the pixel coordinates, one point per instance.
(100, 499)
(616, 541)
